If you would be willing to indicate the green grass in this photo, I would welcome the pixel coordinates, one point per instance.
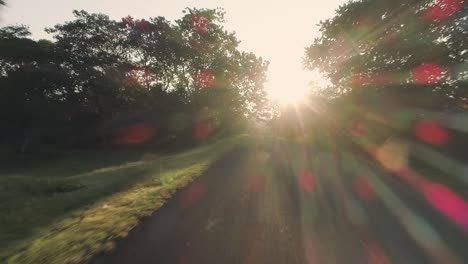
(50, 216)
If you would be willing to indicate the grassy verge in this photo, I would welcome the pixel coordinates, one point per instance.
(69, 219)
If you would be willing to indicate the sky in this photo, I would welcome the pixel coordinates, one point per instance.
(278, 31)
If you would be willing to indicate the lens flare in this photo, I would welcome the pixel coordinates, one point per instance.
(428, 74)
(306, 182)
(447, 203)
(431, 132)
(200, 24)
(192, 194)
(442, 10)
(206, 79)
(203, 130)
(393, 155)
(364, 189)
(255, 184)
(135, 134)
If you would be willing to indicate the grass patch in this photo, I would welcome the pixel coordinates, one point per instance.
(68, 219)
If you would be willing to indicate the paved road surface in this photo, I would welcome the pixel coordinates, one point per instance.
(265, 206)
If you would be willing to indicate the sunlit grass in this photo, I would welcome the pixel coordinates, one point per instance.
(68, 219)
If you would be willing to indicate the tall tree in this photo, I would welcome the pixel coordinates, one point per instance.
(100, 72)
(375, 45)
(236, 78)
(30, 85)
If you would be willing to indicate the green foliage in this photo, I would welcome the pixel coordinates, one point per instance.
(100, 74)
(375, 45)
(80, 205)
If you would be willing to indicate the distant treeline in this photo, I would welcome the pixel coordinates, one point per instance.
(106, 82)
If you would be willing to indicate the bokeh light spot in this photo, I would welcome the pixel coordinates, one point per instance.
(206, 79)
(203, 130)
(447, 202)
(428, 74)
(192, 194)
(143, 25)
(200, 24)
(392, 155)
(135, 134)
(376, 255)
(358, 129)
(381, 79)
(442, 9)
(364, 189)
(255, 184)
(312, 251)
(360, 80)
(365, 25)
(340, 47)
(431, 132)
(306, 182)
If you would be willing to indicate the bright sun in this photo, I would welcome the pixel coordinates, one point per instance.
(291, 88)
(288, 95)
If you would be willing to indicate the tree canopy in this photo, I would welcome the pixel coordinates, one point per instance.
(376, 45)
(100, 75)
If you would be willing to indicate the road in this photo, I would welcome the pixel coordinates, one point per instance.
(288, 205)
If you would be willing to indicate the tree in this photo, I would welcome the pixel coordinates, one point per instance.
(236, 78)
(30, 85)
(416, 46)
(100, 74)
